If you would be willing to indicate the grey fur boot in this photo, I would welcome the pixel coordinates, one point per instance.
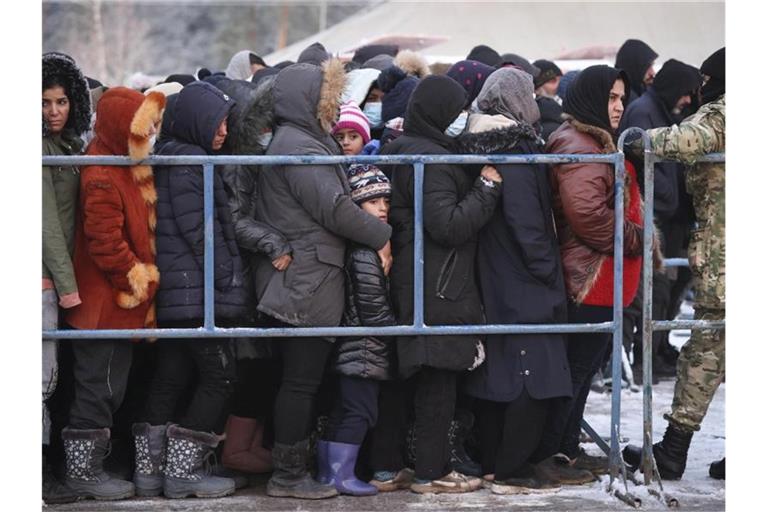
(291, 478)
(150, 444)
(85, 451)
(185, 475)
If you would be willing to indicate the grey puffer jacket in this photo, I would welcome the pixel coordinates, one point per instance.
(367, 304)
(309, 204)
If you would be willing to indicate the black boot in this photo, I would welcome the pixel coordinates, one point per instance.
(457, 435)
(86, 451)
(717, 469)
(291, 478)
(55, 492)
(671, 453)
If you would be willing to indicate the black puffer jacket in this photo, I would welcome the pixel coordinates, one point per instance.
(551, 115)
(367, 304)
(252, 114)
(456, 206)
(196, 114)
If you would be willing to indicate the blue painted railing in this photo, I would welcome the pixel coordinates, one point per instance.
(209, 329)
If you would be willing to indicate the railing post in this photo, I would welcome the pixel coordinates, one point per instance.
(648, 231)
(618, 311)
(418, 244)
(209, 310)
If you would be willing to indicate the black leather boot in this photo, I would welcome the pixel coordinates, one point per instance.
(671, 453)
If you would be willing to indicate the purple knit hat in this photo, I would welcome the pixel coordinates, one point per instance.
(352, 118)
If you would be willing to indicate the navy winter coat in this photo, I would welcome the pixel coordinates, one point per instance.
(521, 277)
(189, 129)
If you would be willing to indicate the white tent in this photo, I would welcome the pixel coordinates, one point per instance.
(688, 31)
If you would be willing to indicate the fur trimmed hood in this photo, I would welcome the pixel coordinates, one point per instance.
(63, 68)
(498, 139)
(252, 115)
(124, 118)
(412, 63)
(309, 96)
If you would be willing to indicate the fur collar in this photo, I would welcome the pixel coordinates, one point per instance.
(149, 114)
(602, 136)
(498, 140)
(412, 63)
(334, 81)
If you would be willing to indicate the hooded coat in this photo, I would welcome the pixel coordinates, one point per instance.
(198, 110)
(239, 67)
(309, 204)
(635, 57)
(60, 184)
(456, 206)
(653, 110)
(115, 240)
(519, 268)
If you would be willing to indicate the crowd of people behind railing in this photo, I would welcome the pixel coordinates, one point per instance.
(329, 245)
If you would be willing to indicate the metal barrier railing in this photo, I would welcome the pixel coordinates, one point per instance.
(418, 327)
(648, 465)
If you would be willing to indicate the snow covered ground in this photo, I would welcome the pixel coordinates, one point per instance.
(696, 491)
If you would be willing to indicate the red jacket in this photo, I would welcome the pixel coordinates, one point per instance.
(583, 206)
(114, 256)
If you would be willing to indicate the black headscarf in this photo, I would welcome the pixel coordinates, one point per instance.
(485, 54)
(714, 67)
(674, 80)
(635, 57)
(435, 103)
(587, 98)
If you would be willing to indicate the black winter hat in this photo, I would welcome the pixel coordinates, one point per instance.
(485, 54)
(397, 87)
(674, 80)
(549, 70)
(714, 67)
(314, 54)
(635, 57)
(370, 51)
(284, 64)
(61, 68)
(263, 73)
(183, 79)
(512, 59)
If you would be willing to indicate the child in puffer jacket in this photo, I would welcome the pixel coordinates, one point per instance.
(361, 362)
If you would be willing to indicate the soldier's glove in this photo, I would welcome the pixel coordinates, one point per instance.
(634, 149)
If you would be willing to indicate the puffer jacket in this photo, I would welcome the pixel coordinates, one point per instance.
(309, 204)
(583, 206)
(196, 114)
(367, 304)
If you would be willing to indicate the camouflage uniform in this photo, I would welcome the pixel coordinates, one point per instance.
(701, 365)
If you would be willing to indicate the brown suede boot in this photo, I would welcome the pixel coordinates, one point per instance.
(242, 448)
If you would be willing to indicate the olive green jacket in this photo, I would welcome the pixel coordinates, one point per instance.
(60, 191)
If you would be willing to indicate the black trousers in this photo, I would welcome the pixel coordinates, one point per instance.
(303, 366)
(432, 393)
(509, 434)
(100, 371)
(355, 411)
(256, 389)
(387, 439)
(209, 365)
(586, 352)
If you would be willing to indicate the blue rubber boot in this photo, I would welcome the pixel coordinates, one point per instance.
(324, 474)
(342, 458)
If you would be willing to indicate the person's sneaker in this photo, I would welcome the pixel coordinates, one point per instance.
(556, 471)
(453, 482)
(528, 485)
(387, 481)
